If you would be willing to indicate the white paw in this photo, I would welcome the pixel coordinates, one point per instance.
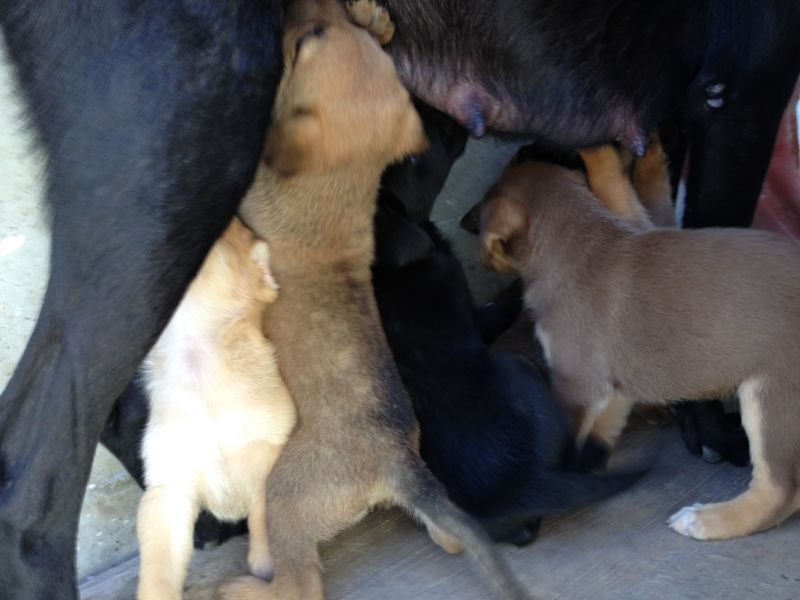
(262, 567)
(686, 522)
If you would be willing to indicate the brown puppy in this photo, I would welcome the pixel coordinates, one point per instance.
(660, 315)
(219, 414)
(341, 116)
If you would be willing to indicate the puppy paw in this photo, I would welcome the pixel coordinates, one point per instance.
(689, 521)
(369, 15)
(261, 565)
(243, 588)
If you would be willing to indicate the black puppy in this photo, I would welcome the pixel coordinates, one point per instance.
(153, 116)
(490, 431)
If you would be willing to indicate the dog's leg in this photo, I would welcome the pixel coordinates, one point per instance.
(609, 424)
(652, 185)
(609, 181)
(259, 559)
(732, 133)
(302, 508)
(153, 120)
(164, 525)
(772, 429)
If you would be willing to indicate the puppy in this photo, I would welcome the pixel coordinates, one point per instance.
(219, 414)
(490, 430)
(639, 192)
(341, 116)
(660, 315)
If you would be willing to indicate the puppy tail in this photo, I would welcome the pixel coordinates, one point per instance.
(425, 497)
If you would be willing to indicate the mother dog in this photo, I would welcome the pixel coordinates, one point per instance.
(153, 115)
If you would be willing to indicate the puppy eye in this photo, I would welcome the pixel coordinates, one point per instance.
(317, 30)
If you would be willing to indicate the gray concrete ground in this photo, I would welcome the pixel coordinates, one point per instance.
(618, 550)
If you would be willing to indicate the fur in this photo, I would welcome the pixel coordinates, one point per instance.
(657, 316)
(219, 414)
(314, 200)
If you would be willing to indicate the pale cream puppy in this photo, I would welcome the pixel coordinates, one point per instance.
(219, 414)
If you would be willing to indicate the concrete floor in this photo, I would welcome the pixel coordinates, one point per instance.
(618, 550)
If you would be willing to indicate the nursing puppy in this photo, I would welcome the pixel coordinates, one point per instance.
(219, 414)
(639, 192)
(490, 429)
(341, 117)
(660, 315)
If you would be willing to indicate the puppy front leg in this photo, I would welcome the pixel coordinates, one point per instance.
(611, 421)
(590, 394)
(165, 525)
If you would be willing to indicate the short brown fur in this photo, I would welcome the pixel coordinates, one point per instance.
(661, 315)
(341, 117)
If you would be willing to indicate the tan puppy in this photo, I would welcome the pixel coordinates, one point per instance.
(660, 315)
(341, 116)
(219, 414)
(638, 191)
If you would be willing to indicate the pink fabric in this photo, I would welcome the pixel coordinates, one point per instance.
(779, 204)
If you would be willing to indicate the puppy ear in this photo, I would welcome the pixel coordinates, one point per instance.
(502, 221)
(293, 144)
(471, 222)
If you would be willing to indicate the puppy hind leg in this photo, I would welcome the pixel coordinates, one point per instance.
(608, 180)
(652, 184)
(611, 421)
(259, 559)
(302, 508)
(165, 526)
(772, 432)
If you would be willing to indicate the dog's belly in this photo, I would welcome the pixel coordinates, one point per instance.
(212, 432)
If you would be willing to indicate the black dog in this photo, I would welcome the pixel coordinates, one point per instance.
(490, 431)
(153, 118)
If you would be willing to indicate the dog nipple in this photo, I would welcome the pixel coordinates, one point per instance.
(467, 103)
(634, 139)
(477, 123)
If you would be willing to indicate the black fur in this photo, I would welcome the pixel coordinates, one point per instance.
(490, 431)
(714, 75)
(153, 116)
